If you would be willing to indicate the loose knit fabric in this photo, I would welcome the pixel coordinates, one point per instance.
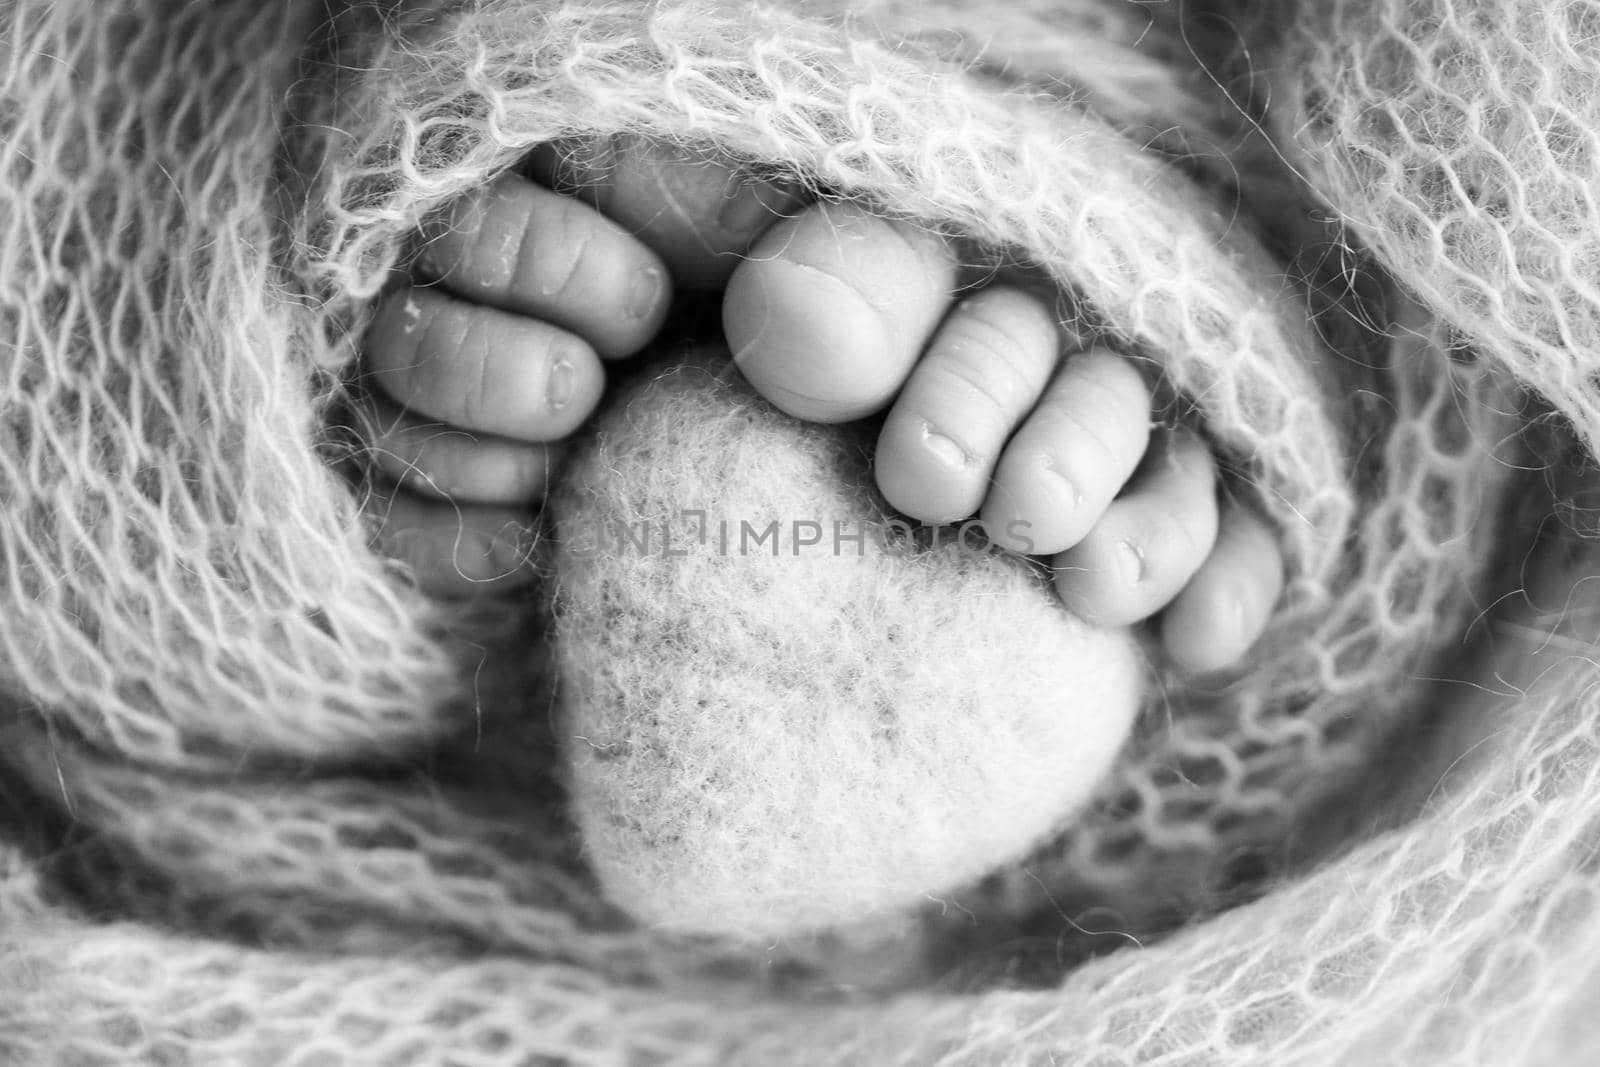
(265, 803)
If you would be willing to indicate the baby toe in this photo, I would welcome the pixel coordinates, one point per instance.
(480, 368)
(432, 458)
(455, 550)
(699, 214)
(1226, 606)
(981, 374)
(1150, 542)
(1071, 456)
(522, 248)
(831, 309)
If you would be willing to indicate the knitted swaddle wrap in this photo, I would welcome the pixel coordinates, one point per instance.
(307, 825)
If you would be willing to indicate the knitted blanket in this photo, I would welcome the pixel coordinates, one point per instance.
(264, 802)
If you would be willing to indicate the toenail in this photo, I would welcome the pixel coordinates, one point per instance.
(558, 390)
(1050, 466)
(1130, 563)
(643, 291)
(1238, 614)
(944, 449)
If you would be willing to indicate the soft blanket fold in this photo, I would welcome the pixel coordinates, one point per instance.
(303, 823)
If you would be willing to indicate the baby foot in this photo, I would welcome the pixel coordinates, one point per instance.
(487, 356)
(493, 349)
(835, 314)
(838, 313)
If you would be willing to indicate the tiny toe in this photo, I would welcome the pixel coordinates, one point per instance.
(455, 550)
(1225, 607)
(522, 248)
(700, 215)
(1071, 457)
(480, 368)
(1150, 542)
(576, 166)
(981, 374)
(832, 308)
(434, 459)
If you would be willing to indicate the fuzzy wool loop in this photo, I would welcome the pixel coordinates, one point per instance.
(263, 802)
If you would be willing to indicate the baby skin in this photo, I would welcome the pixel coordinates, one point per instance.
(495, 350)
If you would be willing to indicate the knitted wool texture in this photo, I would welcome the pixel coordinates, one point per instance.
(266, 806)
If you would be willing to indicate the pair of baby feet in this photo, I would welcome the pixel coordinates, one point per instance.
(496, 348)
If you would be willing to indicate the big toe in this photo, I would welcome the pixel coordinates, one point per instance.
(831, 309)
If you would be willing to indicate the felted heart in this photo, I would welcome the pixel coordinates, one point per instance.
(784, 709)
